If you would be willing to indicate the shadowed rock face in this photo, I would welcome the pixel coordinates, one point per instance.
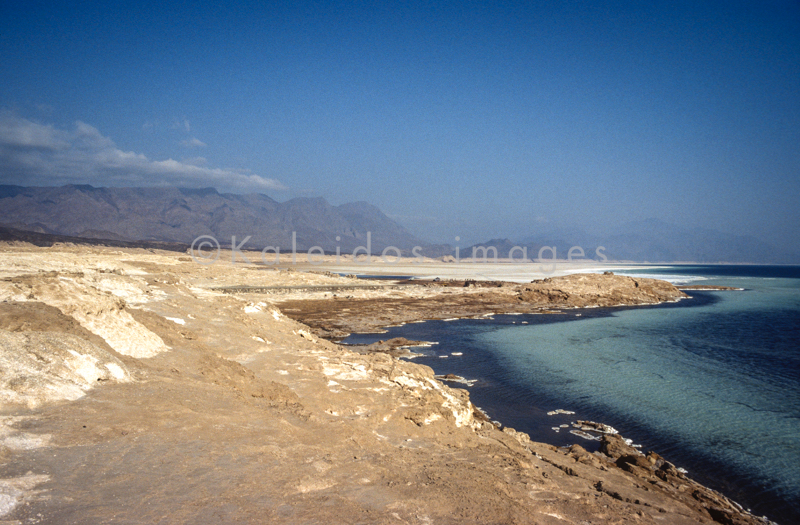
(224, 410)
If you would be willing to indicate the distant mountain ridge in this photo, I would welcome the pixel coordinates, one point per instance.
(174, 214)
(652, 241)
(180, 215)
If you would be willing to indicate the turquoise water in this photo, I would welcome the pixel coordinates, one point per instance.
(712, 383)
(717, 380)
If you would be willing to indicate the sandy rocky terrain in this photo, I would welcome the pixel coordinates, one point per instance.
(135, 387)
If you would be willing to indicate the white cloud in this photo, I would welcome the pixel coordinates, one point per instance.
(40, 154)
(193, 143)
(23, 134)
(195, 161)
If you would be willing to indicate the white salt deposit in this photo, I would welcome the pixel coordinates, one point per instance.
(560, 411)
(37, 367)
(14, 490)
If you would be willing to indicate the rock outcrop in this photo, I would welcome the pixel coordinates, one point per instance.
(589, 289)
(417, 300)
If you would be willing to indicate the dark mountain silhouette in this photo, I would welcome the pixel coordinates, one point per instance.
(49, 239)
(181, 215)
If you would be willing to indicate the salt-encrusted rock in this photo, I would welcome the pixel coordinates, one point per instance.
(39, 367)
(397, 347)
(592, 426)
(614, 446)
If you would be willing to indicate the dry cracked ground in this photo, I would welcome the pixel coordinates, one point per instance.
(133, 390)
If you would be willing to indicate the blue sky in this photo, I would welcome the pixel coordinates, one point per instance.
(472, 119)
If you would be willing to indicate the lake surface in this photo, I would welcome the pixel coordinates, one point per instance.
(712, 383)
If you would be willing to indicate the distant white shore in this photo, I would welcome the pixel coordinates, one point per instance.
(481, 271)
(426, 268)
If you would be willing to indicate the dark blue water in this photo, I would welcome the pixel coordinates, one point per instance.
(712, 383)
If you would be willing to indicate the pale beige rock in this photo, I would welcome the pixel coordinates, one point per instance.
(37, 367)
(244, 415)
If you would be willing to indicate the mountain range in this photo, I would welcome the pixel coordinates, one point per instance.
(180, 215)
(173, 214)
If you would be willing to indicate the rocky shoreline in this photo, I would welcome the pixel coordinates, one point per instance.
(550, 296)
(134, 389)
(336, 317)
